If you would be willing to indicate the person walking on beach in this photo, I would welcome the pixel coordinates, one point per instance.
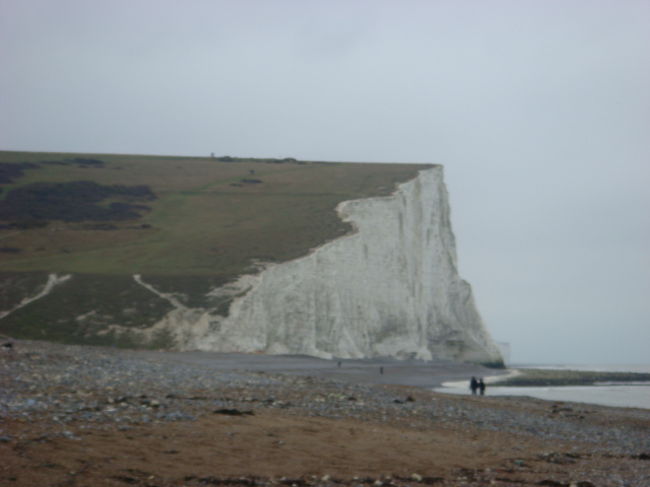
(473, 385)
(481, 386)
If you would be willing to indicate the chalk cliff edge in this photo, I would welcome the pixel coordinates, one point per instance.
(389, 288)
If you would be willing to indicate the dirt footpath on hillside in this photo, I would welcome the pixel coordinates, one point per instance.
(82, 416)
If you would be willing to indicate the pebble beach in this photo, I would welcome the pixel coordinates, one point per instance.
(75, 415)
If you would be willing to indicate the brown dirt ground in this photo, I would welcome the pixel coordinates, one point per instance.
(273, 444)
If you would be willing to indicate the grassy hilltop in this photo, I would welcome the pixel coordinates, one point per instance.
(208, 217)
(186, 224)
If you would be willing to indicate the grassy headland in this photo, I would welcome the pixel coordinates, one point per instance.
(210, 216)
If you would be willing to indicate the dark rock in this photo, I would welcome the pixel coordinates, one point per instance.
(233, 412)
(126, 479)
(225, 481)
(432, 480)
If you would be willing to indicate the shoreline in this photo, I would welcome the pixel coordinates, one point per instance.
(89, 416)
(388, 371)
(612, 389)
(380, 370)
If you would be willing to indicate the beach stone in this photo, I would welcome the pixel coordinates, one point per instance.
(193, 390)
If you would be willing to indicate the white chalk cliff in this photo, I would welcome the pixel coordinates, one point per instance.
(390, 288)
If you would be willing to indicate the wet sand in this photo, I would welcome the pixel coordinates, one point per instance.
(416, 373)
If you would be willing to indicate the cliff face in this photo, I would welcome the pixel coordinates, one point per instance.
(390, 288)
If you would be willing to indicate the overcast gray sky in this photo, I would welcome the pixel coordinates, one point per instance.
(539, 111)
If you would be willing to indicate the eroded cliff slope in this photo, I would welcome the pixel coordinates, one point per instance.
(391, 288)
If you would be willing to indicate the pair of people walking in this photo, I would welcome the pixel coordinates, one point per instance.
(477, 386)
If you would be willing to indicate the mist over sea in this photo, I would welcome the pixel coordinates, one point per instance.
(621, 394)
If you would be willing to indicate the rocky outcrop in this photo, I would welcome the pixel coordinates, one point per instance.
(391, 288)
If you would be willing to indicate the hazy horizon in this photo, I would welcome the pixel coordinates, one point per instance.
(539, 112)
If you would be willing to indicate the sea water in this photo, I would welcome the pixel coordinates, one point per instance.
(620, 394)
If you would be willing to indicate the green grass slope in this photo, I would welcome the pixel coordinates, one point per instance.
(209, 218)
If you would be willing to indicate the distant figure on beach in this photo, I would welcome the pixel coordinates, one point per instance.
(481, 386)
(381, 370)
(473, 385)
